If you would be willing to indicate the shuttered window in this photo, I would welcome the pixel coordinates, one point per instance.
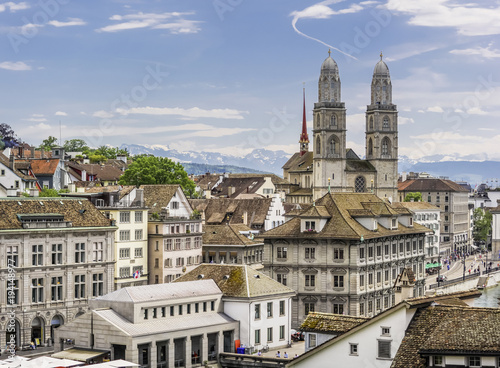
(384, 349)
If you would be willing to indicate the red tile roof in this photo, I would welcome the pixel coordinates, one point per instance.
(44, 167)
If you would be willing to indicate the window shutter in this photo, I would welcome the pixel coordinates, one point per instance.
(384, 349)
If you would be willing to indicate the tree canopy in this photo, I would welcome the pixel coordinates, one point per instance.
(482, 224)
(415, 196)
(157, 170)
(75, 145)
(49, 143)
(8, 134)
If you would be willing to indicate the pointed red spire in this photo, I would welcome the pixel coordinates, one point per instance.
(304, 138)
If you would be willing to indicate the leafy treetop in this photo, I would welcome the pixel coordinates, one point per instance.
(482, 224)
(157, 170)
(415, 196)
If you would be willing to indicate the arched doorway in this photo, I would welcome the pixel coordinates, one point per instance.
(37, 331)
(13, 333)
(56, 321)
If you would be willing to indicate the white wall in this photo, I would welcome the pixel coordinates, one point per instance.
(275, 214)
(366, 339)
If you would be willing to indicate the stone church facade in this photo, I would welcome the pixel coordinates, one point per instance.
(331, 165)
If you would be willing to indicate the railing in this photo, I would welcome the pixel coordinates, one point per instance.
(468, 276)
(231, 360)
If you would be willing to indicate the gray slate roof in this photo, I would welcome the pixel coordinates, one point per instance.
(137, 294)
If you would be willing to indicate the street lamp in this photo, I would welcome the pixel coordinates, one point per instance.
(463, 261)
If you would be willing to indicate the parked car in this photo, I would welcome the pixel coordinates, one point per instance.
(441, 278)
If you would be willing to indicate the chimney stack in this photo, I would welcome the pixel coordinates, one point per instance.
(12, 162)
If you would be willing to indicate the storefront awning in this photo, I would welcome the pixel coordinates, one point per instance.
(82, 355)
(433, 265)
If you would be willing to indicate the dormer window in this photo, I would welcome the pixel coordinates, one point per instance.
(394, 223)
(310, 225)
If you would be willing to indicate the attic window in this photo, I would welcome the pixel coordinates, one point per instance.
(41, 203)
(225, 277)
(61, 202)
(80, 202)
(19, 203)
(200, 276)
(256, 276)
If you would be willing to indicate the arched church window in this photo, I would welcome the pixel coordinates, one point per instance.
(318, 146)
(386, 146)
(385, 124)
(370, 147)
(333, 145)
(360, 184)
(371, 122)
(333, 121)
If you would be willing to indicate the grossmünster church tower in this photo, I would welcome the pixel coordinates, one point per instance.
(331, 165)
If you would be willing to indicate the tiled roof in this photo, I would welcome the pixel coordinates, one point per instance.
(124, 189)
(416, 206)
(5, 161)
(359, 165)
(299, 163)
(330, 323)
(227, 234)
(158, 196)
(430, 185)
(207, 181)
(103, 172)
(219, 210)
(163, 325)
(315, 211)
(342, 224)
(275, 179)
(240, 281)
(81, 213)
(301, 192)
(238, 186)
(44, 167)
(169, 291)
(441, 329)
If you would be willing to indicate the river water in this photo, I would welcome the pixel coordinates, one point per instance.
(489, 299)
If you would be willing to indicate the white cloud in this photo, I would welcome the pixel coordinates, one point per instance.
(69, 23)
(468, 19)
(60, 113)
(476, 111)
(37, 115)
(322, 10)
(174, 22)
(435, 109)
(402, 120)
(41, 126)
(36, 119)
(17, 66)
(102, 114)
(193, 112)
(485, 52)
(13, 6)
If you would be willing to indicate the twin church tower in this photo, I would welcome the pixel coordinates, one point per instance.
(331, 166)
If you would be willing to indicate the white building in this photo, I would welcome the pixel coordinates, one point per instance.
(261, 304)
(416, 333)
(155, 326)
(429, 216)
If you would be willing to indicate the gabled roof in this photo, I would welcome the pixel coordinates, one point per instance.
(359, 165)
(169, 291)
(330, 323)
(275, 179)
(123, 189)
(158, 196)
(238, 186)
(219, 210)
(444, 329)
(416, 206)
(103, 172)
(44, 167)
(5, 161)
(342, 225)
(227, 234)
(315, 212)
(430, 185)
(81, 213)
(238, 281)
(299, 163)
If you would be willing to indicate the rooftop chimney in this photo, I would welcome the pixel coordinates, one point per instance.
(12, 162)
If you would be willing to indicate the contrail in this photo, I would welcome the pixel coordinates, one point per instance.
(297, 16)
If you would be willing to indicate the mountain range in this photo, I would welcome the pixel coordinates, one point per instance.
(474, 170)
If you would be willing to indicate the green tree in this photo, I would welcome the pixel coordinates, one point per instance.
(482, 224)
(46, 192)
(48, 143)
(415, 196)
(96, 158)
(157, 170)
(75, 145)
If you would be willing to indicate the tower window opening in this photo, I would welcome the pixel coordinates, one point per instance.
(360, 185)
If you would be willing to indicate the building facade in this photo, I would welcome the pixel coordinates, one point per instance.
(343, 254)
(174, 233)
(452, 201)
(56, 254)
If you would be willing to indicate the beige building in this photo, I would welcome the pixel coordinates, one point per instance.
(174, 233)
(231, 243)
(343, 254)
(332, 166)
(56, 254)
(157, 326)
(452, 201)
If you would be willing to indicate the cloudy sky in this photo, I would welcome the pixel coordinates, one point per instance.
(227, 75)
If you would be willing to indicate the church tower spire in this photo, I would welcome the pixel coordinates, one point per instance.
(382, 132)
(304, 138)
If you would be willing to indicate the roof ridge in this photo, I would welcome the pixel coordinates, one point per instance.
(246, 281)
(340, 212)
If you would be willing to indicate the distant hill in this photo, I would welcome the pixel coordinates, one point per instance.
(200, 169)
(470, 171)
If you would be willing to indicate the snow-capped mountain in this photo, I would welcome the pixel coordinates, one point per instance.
(258, 159)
